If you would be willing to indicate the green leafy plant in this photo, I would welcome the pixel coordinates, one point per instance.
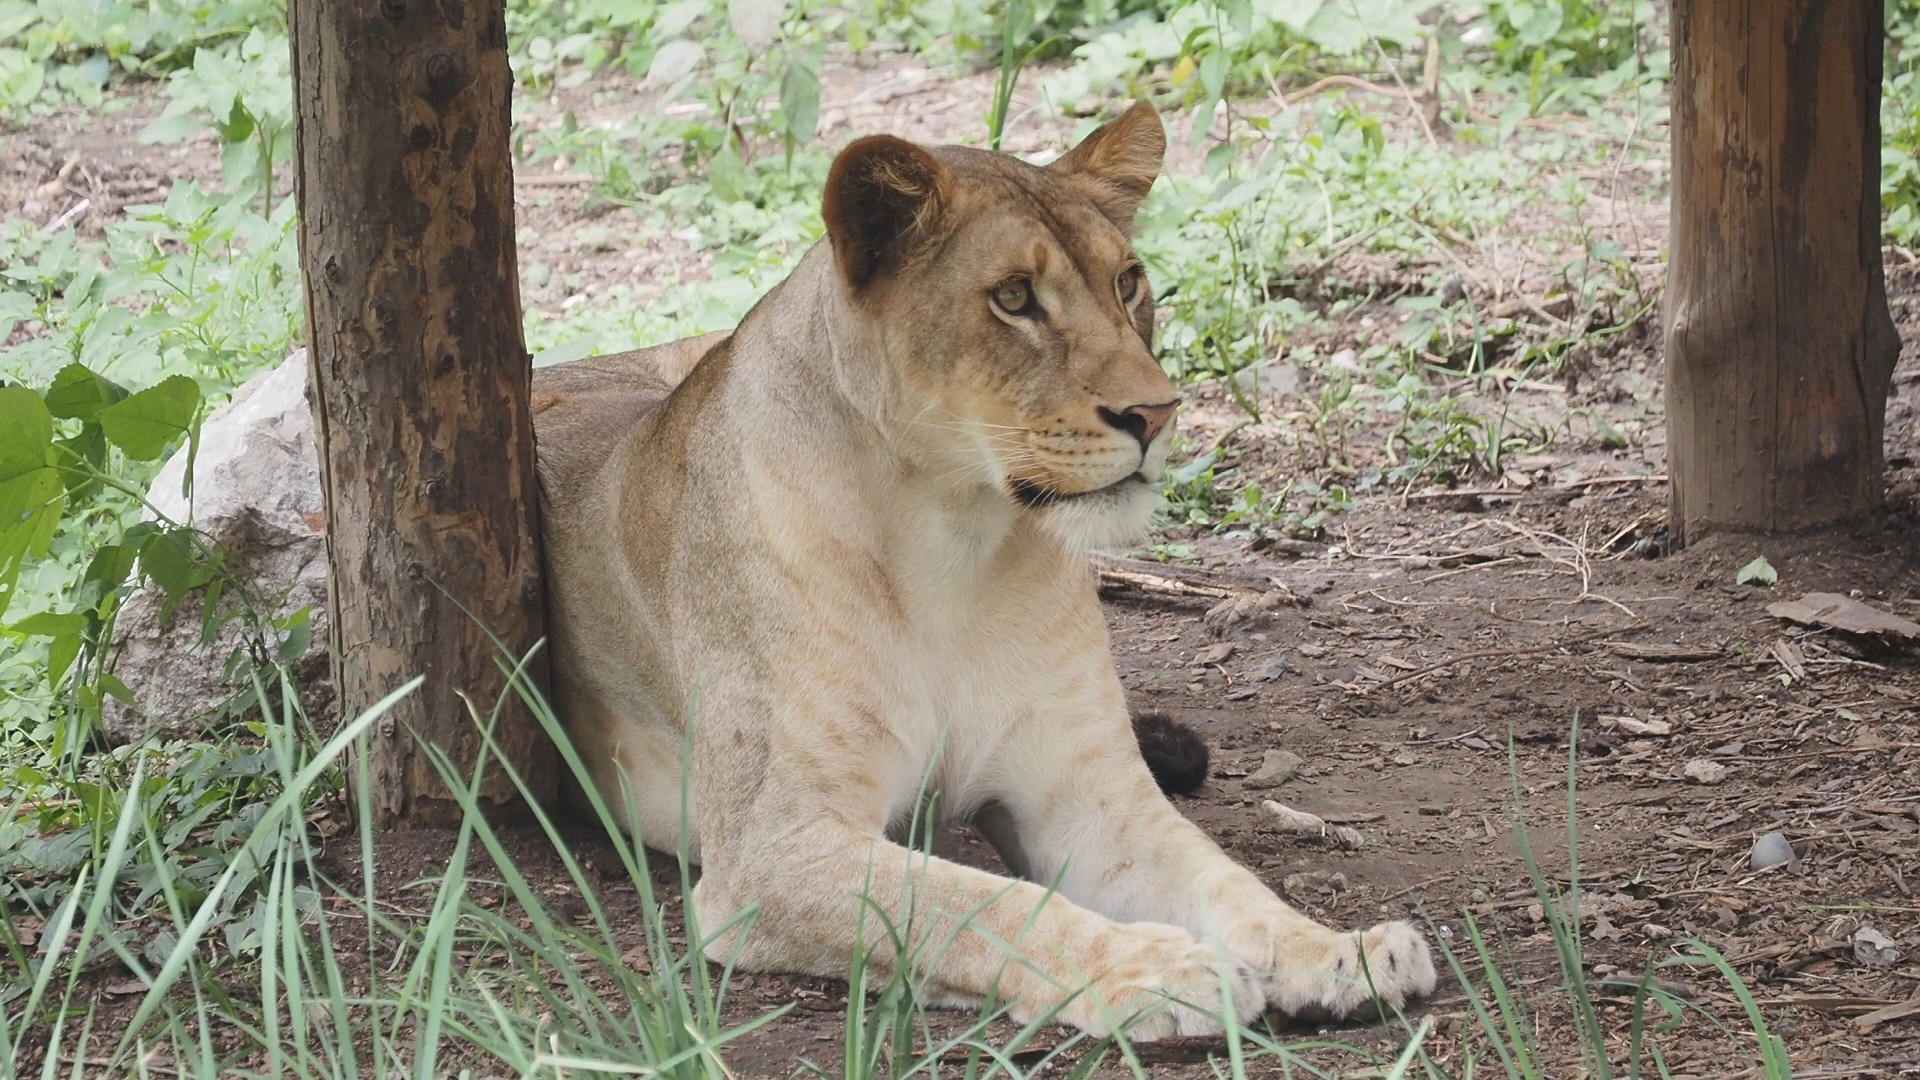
(246, 95)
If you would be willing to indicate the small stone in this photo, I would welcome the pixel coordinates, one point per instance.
(1770, 850)
(1275, 667)
(1214, 654)
(1702, 771)
(1873, 948)
(1276, 768)
(1312, 884)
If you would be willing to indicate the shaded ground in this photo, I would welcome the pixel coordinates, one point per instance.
(1420, 631)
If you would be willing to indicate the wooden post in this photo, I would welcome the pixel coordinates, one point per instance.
(1780, 348)
(420, 381)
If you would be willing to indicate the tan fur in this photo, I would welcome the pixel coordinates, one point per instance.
(813, 552)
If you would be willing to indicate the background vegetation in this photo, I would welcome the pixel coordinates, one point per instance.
(190, 865)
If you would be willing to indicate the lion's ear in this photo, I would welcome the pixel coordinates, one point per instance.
(884, 195)
(1122, 158)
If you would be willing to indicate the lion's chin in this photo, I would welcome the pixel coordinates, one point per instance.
(1117, 515)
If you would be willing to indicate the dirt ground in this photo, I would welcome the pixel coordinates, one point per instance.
(1398, 653)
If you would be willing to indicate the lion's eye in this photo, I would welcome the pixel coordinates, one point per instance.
(1015, 297)
(1128, 285)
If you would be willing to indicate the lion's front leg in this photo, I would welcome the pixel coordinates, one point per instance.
(1087, 815)
(826, 896)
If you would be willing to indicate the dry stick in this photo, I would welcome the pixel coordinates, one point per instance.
(1596, 481)
(1130, 572)
(1468, 569)
(1345, 80)
(1494, 654)
(1830, 752)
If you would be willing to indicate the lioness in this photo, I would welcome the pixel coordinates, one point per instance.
(846, 544)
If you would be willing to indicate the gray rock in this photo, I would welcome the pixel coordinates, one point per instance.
(1703, 771)
(256, 494)
(1270, 378)
(1276, 767)
(1873, 948)
(1770, 850)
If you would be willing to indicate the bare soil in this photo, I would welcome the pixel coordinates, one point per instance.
(1407, 646)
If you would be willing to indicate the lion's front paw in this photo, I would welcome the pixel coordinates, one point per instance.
(1162, 979)
(1343, 974)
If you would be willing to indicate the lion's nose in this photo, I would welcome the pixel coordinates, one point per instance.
(1142, 422)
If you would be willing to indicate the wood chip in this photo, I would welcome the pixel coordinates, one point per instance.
(1791, 658)
(1909, 1008)
(1831, 611)
(1635, 726)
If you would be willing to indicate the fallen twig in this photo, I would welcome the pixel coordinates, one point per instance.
(1133, 573)
(1496, 654)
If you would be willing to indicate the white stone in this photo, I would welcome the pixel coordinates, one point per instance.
(256, 496)
(1703, 771)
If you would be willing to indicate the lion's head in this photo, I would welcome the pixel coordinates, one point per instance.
(1016, 317)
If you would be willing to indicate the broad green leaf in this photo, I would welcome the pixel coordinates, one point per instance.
(31, 494)
(239, 124)
(800, 101)
(171, 127)
(173, 560)
(60, 657)
(26, 433)
(109, 568)
(1239, 16)
(676, 19)
(1757, 572)
(674, 61)
(78, 393)
(1213, 75)
(145, 424)
(299, 630)
(727, 174)
(116, 689)
(50, 624)
(1293, 14)
(66, 628)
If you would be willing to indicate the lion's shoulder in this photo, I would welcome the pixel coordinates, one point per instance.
(583, 409)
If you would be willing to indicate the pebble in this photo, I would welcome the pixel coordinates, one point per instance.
(1276, 767)
(1873, 948)
(1702, 771)
(1307, 884)
(1771, 849)
(1273, 668)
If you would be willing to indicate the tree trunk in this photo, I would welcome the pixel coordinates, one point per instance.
(420, 382)
(1780, 348)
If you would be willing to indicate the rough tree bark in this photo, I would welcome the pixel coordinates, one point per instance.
(1780, 348)
(420, 380)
